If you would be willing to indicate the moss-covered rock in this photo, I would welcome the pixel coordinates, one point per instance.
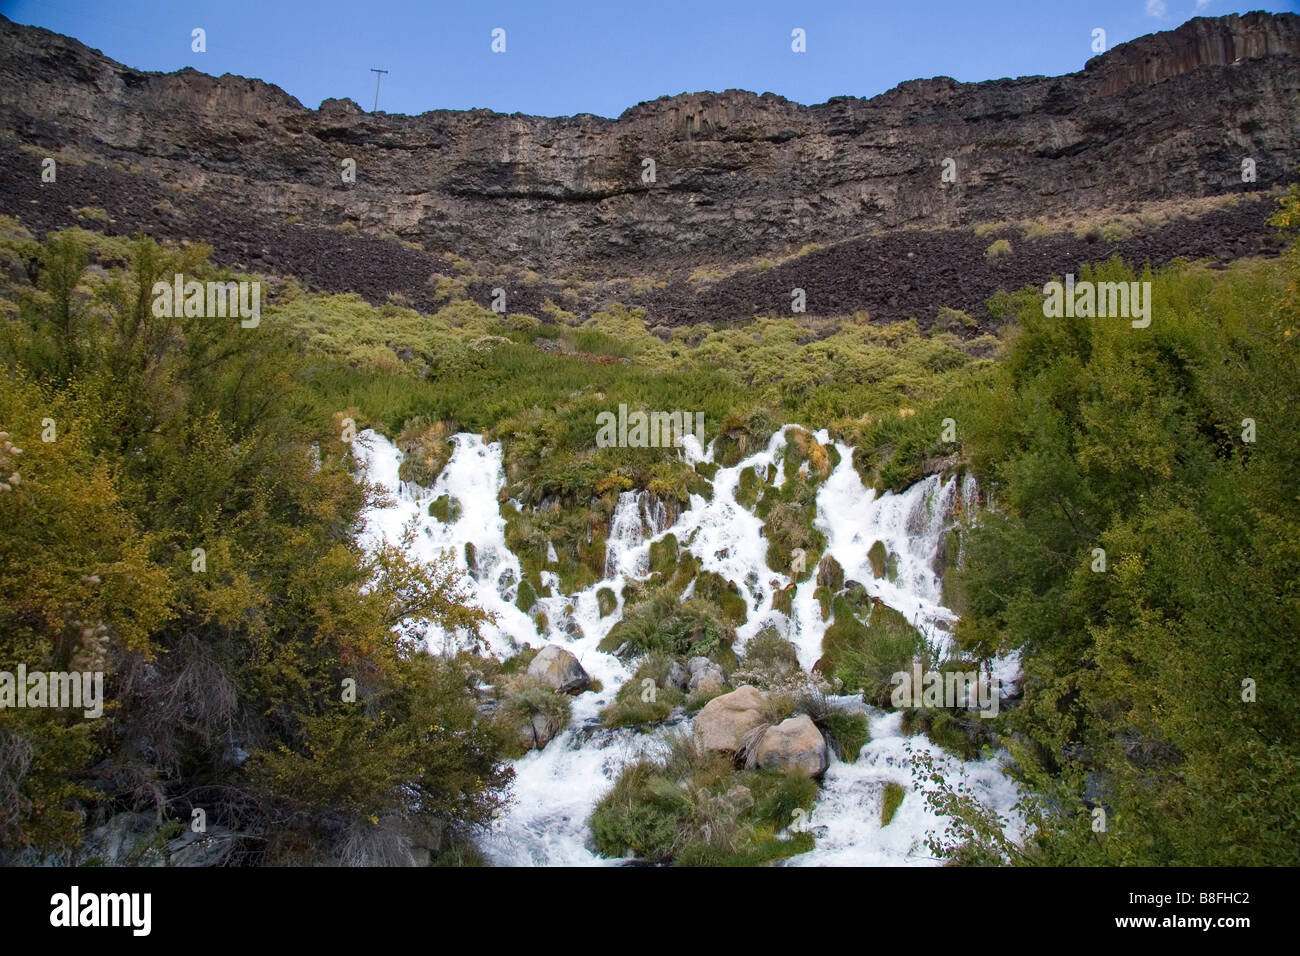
(749, 487)
(425, 450)
(830, 575)
(526, 597)
(446, 509)
(789, 529)
(714, 588)
(890, 801)
(830, 580)
(855, 593)
(740, 436)
(878, 556)
(663, 554)
(948, 567)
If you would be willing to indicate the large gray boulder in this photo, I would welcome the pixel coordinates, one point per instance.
(706, 676)
(560, 670)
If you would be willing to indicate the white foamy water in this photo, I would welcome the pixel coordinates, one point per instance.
(556, 788)
(472, 477)
(847, 821)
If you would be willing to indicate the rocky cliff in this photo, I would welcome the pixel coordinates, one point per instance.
(737, 176)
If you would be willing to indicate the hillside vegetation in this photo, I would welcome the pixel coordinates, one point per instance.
(184, 516)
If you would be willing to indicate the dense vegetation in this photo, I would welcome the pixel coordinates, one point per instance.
(183, 517)
(1158, 724)
(180, 510)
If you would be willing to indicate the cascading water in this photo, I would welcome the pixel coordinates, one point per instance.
(471, 479)
(557, 787)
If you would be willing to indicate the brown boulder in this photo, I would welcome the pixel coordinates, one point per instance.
(724, 721)
(794, 746)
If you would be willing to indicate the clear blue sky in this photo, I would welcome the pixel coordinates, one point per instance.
(588, 56)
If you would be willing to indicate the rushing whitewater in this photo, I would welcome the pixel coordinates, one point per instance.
(557, 787)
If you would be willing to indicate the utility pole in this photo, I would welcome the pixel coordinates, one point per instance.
(378, 77)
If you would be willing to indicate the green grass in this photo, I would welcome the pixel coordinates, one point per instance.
(890, 802)
(698, 810)
(849, 731)
(865, 656)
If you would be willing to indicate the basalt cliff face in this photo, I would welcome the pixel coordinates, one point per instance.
(737, 176)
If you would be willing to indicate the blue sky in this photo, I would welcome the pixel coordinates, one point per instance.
(603, 57)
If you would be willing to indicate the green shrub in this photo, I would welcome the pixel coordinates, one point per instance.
(848, 731)
(695, 810)
(865, 657)
(665, 625)
(630, 706)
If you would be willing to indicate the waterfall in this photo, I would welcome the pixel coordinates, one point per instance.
(556, 788)
(637, 514)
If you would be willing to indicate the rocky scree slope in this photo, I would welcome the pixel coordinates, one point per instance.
(240, 163)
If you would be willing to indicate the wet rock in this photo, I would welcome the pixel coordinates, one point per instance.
(539, 730)
(126, 839)
(210, 848)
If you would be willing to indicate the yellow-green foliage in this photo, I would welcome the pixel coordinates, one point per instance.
(890, 801)
(93, 213)
(183, 520)
(426, 449)
(1138, 678)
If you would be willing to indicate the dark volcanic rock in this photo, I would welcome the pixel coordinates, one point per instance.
(738, 175)
(242, 165)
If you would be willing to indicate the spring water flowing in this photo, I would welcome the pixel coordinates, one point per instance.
(556, 788)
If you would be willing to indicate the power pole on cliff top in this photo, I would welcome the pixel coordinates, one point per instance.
(378, 77)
